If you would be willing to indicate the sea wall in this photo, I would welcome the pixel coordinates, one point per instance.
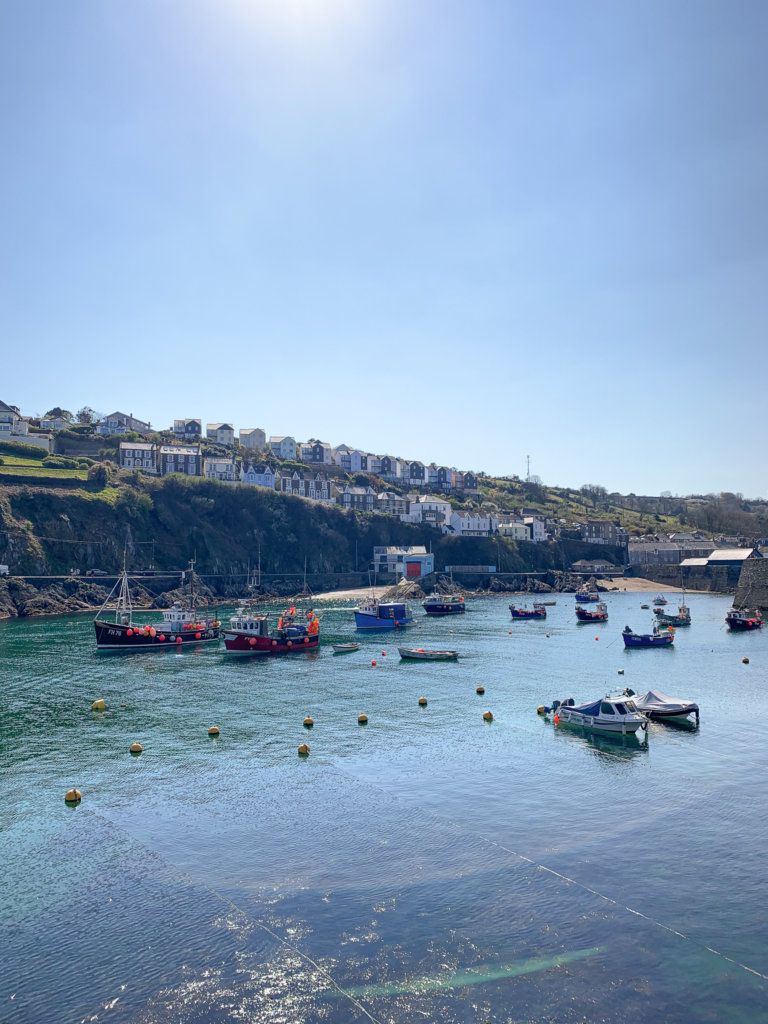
(752, 588)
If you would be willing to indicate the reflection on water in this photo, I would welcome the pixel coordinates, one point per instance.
(428, 867)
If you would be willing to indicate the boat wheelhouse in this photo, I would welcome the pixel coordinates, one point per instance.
(658, 638)
(181, 625)
(373, 614)
(615, 715)
(251, 634)
(742, 619)
(444, 604)
(597, 614)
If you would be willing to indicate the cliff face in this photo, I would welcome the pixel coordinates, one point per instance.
(752, 589)
(19, 598)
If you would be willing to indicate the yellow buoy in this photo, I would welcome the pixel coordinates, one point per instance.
(541, 710)
(136, 748)
(309, 722)
(487, 716)
(362, 719)
(423, 701)
(303, 750)
(98, 705)
(480, 689)
(213, 731)
(745, 661)
(73, 796)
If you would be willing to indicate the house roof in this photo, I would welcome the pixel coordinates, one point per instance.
(218, 426)
(730, 554)
(690, 562)
(261, 470)
(180, 449)
(142, 445)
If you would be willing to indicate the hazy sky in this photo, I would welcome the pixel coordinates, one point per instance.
(454, 231)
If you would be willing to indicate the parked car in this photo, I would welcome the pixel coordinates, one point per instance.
(96, 572)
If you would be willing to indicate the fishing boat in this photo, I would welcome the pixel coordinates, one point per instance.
(659, 600)
(251, 634)
(597, 614)
(657, 638)
(411, 654)
(662, 708)
(181, 625)
(373, 614)
(444, 604)
(615, 715)
(345, 648)
(743, 619)
(680, 618)
(584, 595)
(645, 606)
(537, 612)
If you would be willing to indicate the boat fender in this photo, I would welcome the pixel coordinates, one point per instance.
(306, 639)
(178, 639)
(252, 641)
(198, 636)
(274, 643)
(129, 632)
(290, 643)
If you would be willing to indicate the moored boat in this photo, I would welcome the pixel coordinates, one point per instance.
(680, 618)
(584, 595)
(597, 614)
(658, 638)
(411, 654)
(374, 614)
(659, 599)
(345, 648)
(743, 619)
(444, 604)
(181, 625)
(251, 634)
(537, 612)
(614, 715)
(663, 708)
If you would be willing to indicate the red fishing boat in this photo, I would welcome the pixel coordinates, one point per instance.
(251, 634)
(597, 614)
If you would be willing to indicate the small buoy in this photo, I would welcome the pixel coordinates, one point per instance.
(309, 722)
(362, 719)
(383, 654)
(136, 748)
(213, 731)
(303, 750)
(510, 632)
(373, 661)
(597, 638)
(98, 705)
(745, 661)
(487, 716)
(621, 671)
(541, 710)
(423, 701)
(73, 796)
(480, 689)
(547, 634)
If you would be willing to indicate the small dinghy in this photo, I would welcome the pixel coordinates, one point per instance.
(663, 708)
(344, 648)
(411, 654)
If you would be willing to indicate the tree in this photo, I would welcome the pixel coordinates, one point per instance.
(58, 413)
(85, 415)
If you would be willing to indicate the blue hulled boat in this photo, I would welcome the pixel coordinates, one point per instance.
(373, 614)
(657, 638)
(537, 612)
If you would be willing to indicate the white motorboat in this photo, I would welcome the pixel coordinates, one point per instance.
(615, 715)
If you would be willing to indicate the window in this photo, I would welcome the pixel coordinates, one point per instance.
(606, 708)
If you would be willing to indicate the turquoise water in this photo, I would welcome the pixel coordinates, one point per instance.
(425, 867)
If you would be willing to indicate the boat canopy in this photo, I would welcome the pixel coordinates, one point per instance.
(588, 709)
(655, 700)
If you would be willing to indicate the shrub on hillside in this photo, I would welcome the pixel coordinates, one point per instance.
(59, 462)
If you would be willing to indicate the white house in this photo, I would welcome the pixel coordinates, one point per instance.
(259, 476)
(221, 433)
(121, 423)
(253, 438)
(536, 528)
(284, 447)
(411, 562)
(11, 423)
(514, 530)
(428, 509)
(464, 524)
(138, 455)
(220, 467)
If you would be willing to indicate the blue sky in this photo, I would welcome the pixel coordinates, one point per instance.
(454, 231)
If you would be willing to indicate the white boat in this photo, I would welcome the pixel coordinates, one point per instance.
(663, 708)
(344, 648)
(412, 654)
(614, 715)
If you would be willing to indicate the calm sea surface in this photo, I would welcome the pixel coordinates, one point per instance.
(426, 867)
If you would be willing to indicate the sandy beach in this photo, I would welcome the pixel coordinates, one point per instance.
(638, 585)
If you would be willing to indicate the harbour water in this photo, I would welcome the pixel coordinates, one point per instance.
(427, 866)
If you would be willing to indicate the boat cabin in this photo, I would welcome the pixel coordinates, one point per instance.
(253, 625)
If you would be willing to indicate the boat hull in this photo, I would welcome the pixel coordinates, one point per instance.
(408, 654)
(620, 727)
(444, 609)
(111, 636)
(584, 615)
(744, 625)
(244, 644)
(528, 613)
(365, 621)
(639, 640)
